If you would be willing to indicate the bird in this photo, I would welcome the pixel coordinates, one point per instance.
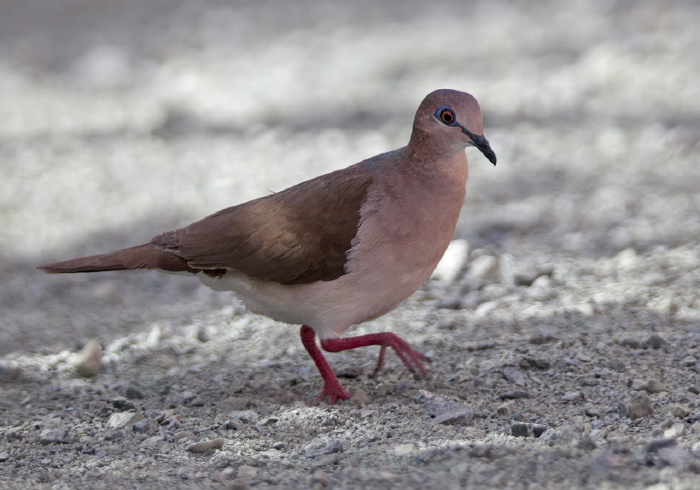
(336, 250)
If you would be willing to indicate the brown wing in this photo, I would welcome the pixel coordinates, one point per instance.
(296, 236)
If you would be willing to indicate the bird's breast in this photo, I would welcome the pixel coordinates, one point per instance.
(406, 227)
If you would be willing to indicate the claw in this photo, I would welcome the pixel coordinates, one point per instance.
(333, 393)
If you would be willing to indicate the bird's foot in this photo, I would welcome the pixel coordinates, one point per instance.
(333, 392)
(413, 359)
(331, 386)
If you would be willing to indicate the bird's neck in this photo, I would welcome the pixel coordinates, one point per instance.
(423, 149)
(437, 180)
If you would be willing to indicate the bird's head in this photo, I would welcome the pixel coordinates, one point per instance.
(451, 120)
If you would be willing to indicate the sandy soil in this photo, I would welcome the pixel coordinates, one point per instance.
(566, 341)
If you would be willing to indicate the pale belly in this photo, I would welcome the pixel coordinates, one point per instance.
(330, 307)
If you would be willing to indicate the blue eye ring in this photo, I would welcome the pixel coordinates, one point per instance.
(446, 115)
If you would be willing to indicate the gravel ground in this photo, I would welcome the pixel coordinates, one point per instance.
(564, 328)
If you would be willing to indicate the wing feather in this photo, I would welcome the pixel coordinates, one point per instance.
(296, 236)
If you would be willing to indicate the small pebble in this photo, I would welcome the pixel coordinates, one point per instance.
(587, 443)
(204, 446)
(53, 436)
(404, 449)
(513, 395)
(365, 413)
(247, 416)
(515, 417)
(534, 362)
(455, 418)
(8, 371)
(233, 403)
(444, 410)
(638, 384)
(120, 419)
(514, 375)
(640, 406)
(151, 441)
(631, 343)
(327, 460)
(121, 403)
(350, 372)
(484, 268)
(239, 483)
(360, 397)
(267, 421)
(572, 396)
(14, 434)
(231, 424)
(133, 393)
(678, 411)
(617, 365)
(247, 471)
(185, 434)
(655, 386)
(503, 409)
(543, 339)
(88, 361)
(333, 446)
(525, 429)
(486, 451)
(452, 262)
(656, 341)
(202, 334)
(148, 426)
(675, 431)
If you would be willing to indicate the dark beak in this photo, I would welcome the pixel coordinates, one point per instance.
(483, 145)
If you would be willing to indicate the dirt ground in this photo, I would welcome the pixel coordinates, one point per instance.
(564, 329)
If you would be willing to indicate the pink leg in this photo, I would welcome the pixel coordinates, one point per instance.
(331, 386)
(411, 358)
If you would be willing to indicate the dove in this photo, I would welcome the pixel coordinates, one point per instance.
(336, 250)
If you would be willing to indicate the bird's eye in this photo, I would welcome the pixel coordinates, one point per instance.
(446, 115)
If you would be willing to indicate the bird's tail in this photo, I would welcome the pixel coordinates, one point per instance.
(147, 256)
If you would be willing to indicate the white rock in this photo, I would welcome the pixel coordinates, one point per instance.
(88, 361)
(452, 263)
(675, 431)
(627, 259)
(484, 267)
(120, 419)
(403, 449)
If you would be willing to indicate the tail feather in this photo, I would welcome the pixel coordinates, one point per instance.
(147, 256)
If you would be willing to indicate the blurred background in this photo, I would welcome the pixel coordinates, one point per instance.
(119, 120)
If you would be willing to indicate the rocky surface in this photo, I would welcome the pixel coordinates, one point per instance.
(564, 326)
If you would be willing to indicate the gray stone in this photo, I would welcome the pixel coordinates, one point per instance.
(640, 406)
(655, 386)
(444, 410)
(53, 436)
(525, 429)
(656, 341)
(204, 446)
